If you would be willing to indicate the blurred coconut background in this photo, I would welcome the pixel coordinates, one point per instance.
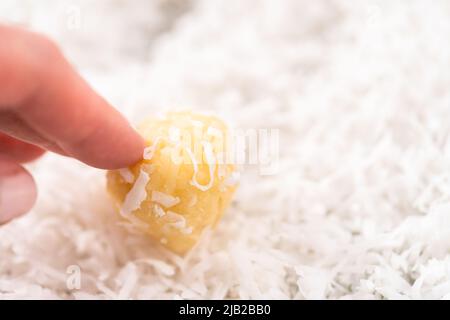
(360, 204)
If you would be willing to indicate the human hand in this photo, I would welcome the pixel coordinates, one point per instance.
(46, 105)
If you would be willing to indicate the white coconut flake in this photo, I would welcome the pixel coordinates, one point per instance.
(160, 266)
(177, 221)
(158, 211)
(129, 277)
(150, 150)
(136, 195)
(164, 199)
(126, 175)
(148, 167)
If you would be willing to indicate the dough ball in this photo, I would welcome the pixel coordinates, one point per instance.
(184, 183)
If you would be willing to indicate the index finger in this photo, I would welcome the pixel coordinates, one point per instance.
(41, 89)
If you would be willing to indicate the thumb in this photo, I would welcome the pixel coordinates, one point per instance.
(17, 191)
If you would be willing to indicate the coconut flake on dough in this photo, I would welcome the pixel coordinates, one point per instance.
(177, 221)
(136, 195)
(126, 175)
(150, 151)
(164, 199)
(148, 167)
(157, 210)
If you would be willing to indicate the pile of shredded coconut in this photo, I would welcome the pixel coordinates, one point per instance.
(360, 206)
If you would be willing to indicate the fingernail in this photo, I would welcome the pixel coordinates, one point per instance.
(17, 191)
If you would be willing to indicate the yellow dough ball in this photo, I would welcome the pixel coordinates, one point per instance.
(184, 182)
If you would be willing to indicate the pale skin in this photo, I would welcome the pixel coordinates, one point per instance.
(45, 105)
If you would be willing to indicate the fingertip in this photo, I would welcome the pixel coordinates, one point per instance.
(123, 153)
(115, 148)
(129, 151)
(18, 191)
(61, 107)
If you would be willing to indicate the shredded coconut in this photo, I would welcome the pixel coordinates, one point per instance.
(150, 150)
(126, 175)
(359, 208)
(164, 199)
(158, 211)
(148, 167)
(136, 195)
(177, 221)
